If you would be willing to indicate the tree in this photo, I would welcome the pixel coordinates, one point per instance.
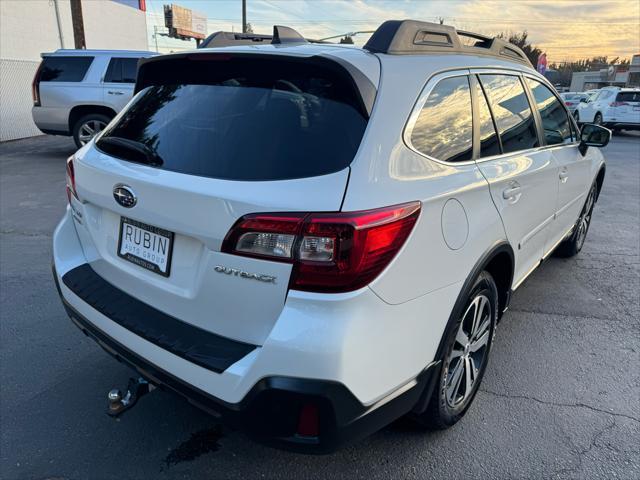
(522, 40)
(347, 39)
(249, 28)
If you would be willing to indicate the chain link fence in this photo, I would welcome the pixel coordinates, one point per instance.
(15, 99)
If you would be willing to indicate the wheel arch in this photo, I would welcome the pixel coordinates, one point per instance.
(80, 111)
(499, 261)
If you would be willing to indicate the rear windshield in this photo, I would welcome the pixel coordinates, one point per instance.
(242, 119)
(628, 97)
(64, 69)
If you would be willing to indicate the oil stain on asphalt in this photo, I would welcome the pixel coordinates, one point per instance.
(201, 442)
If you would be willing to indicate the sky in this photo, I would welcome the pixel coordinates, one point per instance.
(565, 29)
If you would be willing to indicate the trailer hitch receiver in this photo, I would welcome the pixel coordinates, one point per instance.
(119, 403)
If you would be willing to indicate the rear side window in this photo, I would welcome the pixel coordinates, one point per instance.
(64, 69)
(555, 121)
(242, 119)
(489, 144)
(444, 129)
(629, 97)
(511, 112)
(122, 70)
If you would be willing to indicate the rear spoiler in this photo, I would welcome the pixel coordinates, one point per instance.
(170, 68)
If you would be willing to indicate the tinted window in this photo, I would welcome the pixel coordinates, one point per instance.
(263, 119)
(489, 144)
(64, 69)
(122, 70)
(555, 121)
(443, 129)
(628, 97)
(511, 111)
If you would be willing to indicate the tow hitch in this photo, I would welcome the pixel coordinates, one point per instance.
(136, 388)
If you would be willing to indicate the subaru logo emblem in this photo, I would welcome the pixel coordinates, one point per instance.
(124, 196)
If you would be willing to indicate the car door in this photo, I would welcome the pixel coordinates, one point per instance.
(522, 177)
(119, 81)
(573, 168)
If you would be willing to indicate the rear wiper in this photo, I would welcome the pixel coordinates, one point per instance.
(152, 158)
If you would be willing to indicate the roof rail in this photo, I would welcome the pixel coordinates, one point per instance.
(407, 37)
(281, 35)
(226, 39)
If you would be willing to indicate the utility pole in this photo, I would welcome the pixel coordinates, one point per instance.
(57, 9)
(244, 16)
(78, 24)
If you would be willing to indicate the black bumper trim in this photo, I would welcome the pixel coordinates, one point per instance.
(194, 344)
(269, 411)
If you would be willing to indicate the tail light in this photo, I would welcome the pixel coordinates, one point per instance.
(618, 104)
(35, 86)
(569, 104)
(71, 180)
(330, 252)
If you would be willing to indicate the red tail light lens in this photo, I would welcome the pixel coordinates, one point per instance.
(71, 179)
(330, 252)
(35, 86)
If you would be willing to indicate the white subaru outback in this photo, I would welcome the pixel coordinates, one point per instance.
(310, 240)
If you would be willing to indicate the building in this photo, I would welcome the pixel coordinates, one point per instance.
(613, 76)
(31, 27)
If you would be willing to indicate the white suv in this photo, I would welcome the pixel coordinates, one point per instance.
(310, 241)
(614, 107)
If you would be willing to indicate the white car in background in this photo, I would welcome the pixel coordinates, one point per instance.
(572, 100)
(614, 107)
(78, 92)
(311, 241)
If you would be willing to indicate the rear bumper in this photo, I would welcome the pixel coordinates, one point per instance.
(270, 411)
(51, 120)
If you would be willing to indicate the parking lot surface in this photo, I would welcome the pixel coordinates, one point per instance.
(561, 397)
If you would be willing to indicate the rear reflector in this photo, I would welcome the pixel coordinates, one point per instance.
(330, 252)
(308, 421)
(71, 179)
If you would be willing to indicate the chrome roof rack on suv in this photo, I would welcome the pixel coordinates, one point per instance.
(407, 37)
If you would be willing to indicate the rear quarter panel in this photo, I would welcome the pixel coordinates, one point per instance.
(387, 172)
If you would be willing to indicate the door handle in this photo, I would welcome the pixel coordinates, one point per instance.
(563, 175)
(512, 193)
(115, 92)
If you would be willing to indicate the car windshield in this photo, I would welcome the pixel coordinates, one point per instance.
(243, 120)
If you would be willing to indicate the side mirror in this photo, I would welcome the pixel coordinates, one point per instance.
(584, 100)
(593, 135)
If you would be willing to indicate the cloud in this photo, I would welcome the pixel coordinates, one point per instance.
(566, 30)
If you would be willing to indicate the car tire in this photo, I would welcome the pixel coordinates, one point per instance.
(575, 242)
(462, 367)
(88, 126)
(576, 116)
(598, 119)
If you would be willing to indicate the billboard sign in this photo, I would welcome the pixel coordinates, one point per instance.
(185, 23)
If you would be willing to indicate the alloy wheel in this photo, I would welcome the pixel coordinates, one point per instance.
(90, 129)
(585, 219)
(469, 351)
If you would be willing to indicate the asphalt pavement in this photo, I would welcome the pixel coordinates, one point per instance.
(560, 399)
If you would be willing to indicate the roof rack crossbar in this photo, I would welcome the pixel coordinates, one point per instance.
(406, 37)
